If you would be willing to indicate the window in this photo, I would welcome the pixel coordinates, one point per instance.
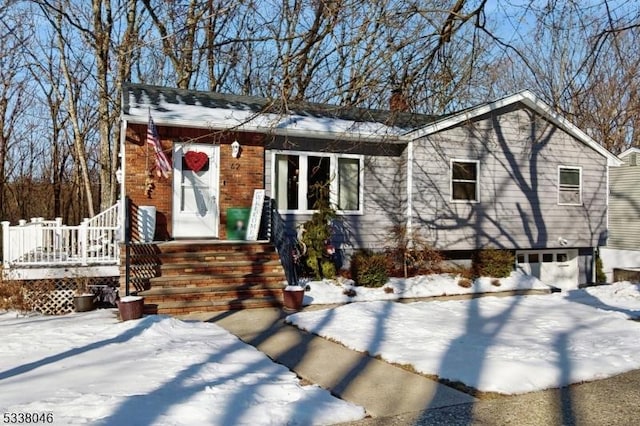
(302, 180)
(569, 185)
(464, 180)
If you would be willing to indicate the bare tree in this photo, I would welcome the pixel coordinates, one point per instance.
(13, 103)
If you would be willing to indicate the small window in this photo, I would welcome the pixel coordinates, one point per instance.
(533, 258)
(318, 180)
(349, 184)
(287, 181)
(569, 186)
(547, 257)
(521, 258)
(464, 180)
(562, 257)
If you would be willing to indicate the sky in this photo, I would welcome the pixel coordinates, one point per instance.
(88, 368)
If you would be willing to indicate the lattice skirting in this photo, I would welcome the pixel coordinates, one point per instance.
(55, 296)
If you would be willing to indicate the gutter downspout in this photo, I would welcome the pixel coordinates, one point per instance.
(125, 225)
(123, 173)
(409, 222)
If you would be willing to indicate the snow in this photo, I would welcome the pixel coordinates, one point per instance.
(127, 299)
(232, 116)
(90, 368)
(329, 291)
(508, 345)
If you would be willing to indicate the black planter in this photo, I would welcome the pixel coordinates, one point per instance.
(84, 303)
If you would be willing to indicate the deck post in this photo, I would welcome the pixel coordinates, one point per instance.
(127, 245)
(6, 246)
(83, 239)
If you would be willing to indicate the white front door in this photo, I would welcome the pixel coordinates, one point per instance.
(195, 190)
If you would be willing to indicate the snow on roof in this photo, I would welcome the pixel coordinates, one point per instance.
(186, 108)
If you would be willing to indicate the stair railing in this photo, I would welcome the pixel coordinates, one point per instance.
(284, 241)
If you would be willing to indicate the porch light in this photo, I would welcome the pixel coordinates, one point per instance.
(235, 149)
(119, 175)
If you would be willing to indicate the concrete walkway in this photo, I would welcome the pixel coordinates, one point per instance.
(381, 388)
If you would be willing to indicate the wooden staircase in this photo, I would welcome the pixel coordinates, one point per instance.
(192, 276)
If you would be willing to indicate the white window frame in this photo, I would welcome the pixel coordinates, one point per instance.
(477, 181)
(579, 169)
(333, 176)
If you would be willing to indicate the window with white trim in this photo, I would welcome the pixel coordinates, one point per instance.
(464, 180)
(569, 185)
(301, 180)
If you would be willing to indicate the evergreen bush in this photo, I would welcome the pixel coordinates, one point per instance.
(317, 234)
(493, 263)
(369, 269)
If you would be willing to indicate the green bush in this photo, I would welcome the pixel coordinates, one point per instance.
(601, 277)
(317, 231)
(369, 269)
(493, 263)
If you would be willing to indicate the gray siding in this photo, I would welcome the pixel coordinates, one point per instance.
(519, 154)
(384, 203)
(624, 208)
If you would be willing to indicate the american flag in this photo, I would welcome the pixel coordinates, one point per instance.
(163, 167)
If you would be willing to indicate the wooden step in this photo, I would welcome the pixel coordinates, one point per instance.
(185, 307)
(203, 280)
(190, 276)
(215, 246)
(217, 256)
(156, 295)
(220, 268)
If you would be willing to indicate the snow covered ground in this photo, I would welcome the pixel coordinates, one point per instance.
(508, 345)
(90, 368)
(328, 291)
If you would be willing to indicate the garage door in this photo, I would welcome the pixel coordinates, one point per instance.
(558, 268)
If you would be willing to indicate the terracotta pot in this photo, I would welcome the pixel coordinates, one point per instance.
(293, 297)
(84, 303)
(130, 307)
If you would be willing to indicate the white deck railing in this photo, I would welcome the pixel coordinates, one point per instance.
(50, 243)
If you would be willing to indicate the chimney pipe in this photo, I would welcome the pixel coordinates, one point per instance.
(398, 101)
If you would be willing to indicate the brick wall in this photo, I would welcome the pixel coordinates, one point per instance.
(238, 176)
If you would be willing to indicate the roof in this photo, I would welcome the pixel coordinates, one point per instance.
(211, 110)
(528, 99)
(629, 151)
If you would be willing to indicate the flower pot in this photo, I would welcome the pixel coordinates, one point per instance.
(130, 307)
(84, 303)
(292, 297)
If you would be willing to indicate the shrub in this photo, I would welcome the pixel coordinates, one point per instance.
(12, 296)
(601, 277)
(317, 232)
(465, 282)
(388, 290)
(349, 292)
(495, 282)
(369, 269)
(493, 263)
(410, 254)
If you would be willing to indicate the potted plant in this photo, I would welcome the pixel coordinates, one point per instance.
(293, 295)
(83, 299)
(130, 307)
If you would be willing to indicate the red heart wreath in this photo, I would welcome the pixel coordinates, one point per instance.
(195, 160)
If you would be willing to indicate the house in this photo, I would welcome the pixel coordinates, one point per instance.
(622, 251)
(509, 174)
